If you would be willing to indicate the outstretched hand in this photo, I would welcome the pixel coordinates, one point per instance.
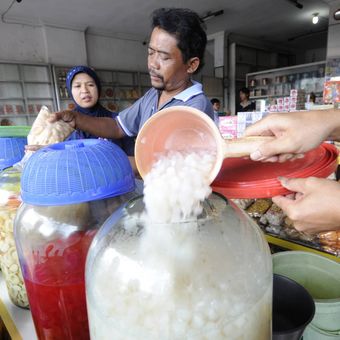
(295, 132)
(67, 116)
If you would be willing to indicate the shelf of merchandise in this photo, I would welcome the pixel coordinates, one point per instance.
(295, 245)
(126, 87)
(24, 88)
(309, 77)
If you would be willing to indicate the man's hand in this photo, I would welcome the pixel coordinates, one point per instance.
(104, 127)
(315, 205)
(295, 132)
(67, 116)
(33, 148)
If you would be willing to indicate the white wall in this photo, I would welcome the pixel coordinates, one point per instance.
(65, 46)
(112, 53)
(333, 46)
(22, 43)
(61, 46)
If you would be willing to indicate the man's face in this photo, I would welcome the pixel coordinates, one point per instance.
(166, 67)
(217, 106)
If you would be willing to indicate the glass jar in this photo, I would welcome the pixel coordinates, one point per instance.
(12, 144)
(206, 278)
(9, 202)
(68, 191)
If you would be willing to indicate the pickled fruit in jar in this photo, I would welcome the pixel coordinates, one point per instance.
(9, 260)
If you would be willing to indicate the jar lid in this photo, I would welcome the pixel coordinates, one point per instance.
(244, 178)
(12, 150)
(14, 131)
(76, 171)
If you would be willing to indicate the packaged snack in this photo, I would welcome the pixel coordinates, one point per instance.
(259, 207)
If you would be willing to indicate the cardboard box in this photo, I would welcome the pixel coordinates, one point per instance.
(286, 100)
(245, 119)
(297, 93)
(260, 105)
(280, 108)
(286, 107)
(273, 108)
(280, 101)
(292, 107)
(228, 127)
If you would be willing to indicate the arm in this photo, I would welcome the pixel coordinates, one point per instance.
(104, 127)
(295, 132)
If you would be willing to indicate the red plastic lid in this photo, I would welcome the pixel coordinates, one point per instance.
(244, 178)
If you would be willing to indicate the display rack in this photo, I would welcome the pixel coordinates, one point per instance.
(24, 88)
(278, 82)
(119, 88)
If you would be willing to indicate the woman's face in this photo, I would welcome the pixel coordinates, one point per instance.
(243, 96)
(84, 90)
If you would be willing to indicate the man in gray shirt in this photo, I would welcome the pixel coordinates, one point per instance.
(175, 53)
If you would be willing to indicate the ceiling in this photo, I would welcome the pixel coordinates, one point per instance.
(268, 20)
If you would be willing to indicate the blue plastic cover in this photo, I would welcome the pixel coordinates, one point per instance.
(76, 171)
(12, 149)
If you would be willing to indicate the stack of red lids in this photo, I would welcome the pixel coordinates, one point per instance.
(244, 178)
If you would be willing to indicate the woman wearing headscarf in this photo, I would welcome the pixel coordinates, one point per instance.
(83, 86)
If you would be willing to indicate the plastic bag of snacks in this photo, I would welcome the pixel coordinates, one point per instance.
(330, 241)
(43, 132)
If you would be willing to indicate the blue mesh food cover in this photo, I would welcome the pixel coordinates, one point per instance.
(76, 171)
(12, 149)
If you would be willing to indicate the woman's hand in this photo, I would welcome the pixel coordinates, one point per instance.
(315, 205)
(295, 132)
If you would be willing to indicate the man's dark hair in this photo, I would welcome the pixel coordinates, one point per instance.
(245, 90)
(214, 101)
(187, 27)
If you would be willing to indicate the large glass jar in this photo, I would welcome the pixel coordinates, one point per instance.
(12, 144)
(68, 191)
(9, 203)
(213, 281)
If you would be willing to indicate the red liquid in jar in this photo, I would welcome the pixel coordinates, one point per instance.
(55, 284)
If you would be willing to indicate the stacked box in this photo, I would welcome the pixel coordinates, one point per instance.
(273, 108)
(245, 119)
(228, 127)
(260, 105)
(279, 101)
(297, 100)
(286, 107)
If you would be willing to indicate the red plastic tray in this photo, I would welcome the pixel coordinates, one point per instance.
(244, 178)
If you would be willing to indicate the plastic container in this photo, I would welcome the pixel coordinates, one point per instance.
(293, 309)
(182, 128)
(321, 277)
(205, 278)
(244, 178)
(9, 203)
(68, 191)
(12, 144)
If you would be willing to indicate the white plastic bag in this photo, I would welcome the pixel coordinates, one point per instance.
(44, 133)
